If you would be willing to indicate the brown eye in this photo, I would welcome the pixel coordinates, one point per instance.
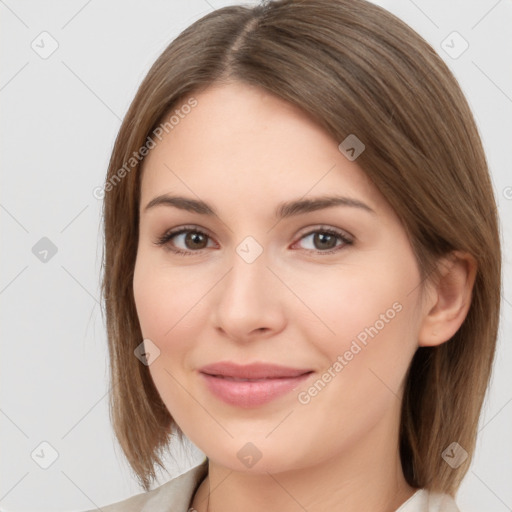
(325, 240)
(194, 240)
(185, 241)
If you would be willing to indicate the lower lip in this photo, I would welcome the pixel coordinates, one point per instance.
(251, 393)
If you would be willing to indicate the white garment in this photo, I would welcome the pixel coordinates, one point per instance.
(177, 495)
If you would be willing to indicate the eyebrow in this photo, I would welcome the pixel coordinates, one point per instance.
(283, 210)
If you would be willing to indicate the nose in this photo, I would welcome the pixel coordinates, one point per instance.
(249, 301)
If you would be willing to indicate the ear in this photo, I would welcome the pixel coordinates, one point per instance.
(448, 299)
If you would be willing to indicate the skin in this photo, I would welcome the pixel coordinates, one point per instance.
(243, 152)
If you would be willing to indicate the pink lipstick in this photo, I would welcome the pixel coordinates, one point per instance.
(251, 385)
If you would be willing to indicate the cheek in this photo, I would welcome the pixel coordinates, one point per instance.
(365, 361)
(367, 315)
(172, 307)
(164, 298)
(167, 304)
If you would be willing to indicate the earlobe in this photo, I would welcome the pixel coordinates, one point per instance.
(449, 299)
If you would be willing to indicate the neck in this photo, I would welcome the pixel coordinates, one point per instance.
(366, 477)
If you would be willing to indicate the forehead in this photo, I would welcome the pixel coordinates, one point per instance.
(241, 143)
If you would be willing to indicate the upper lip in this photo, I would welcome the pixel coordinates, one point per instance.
(252, 371)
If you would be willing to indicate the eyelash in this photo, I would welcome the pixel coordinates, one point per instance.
(169, 235)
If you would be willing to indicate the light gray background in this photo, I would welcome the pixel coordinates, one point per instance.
(60, 116)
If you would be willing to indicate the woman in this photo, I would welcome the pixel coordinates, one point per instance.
(302, 265)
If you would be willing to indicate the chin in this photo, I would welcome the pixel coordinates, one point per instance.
(256, 455)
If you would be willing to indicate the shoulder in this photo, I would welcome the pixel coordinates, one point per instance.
(174, 495)
(427, 501)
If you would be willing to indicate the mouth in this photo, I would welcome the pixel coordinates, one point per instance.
(252, 371)
(238, 379)
(251, 385)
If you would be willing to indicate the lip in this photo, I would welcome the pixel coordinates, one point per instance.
(251, 385)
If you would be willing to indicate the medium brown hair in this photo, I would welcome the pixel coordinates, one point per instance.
(356, 69)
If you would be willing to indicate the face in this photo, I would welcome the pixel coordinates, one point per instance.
(276, 282)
